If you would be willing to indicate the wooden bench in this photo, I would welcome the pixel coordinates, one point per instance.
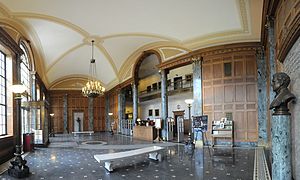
(107, 158)
(83, 132)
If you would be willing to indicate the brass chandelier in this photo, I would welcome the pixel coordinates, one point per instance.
(93, 87)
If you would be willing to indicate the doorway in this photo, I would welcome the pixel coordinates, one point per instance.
(78, 121)
(177, 114)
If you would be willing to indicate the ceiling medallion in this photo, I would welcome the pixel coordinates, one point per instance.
(93, 87)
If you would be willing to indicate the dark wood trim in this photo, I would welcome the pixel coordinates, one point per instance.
(269, 10)
(126, 83)
(202, 53)
(7, 41)
(292, 36)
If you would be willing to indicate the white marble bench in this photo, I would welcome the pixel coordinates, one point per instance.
(83, 132)
(107, 158)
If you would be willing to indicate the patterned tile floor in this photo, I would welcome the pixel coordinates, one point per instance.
(72, 158)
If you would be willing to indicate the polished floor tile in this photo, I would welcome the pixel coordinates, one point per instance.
(71, 157)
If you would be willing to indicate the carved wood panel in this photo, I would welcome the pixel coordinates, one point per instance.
(236, 93)
(287, 26)
(76, 102)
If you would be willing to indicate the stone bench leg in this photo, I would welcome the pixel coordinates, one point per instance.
(155, 156)
(108, 166)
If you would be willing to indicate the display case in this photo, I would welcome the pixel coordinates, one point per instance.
(39, 114)
(222, 129)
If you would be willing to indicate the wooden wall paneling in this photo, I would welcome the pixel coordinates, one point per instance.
(218, 94)
(208, 95)
(238, 69)
(250, 68)
(239, 126)
(235, 94)
(76, 102)
(99, 109)
(251, 92)
(229, 93)
(207, 71)
(240, 93)
(217, 70)
(252, 125)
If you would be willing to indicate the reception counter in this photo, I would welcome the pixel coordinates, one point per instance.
(147, 133)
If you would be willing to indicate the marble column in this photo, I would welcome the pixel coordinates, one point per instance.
(135, 101)
(107, 110)
(121, 109)
(281, 147)
(91, 113)
(262, 102)
(199, 162)
(65, 106)
(197, 94)
(164, 103)
(33, 98)
(272, 60)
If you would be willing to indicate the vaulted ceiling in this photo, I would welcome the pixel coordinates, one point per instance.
(60, 32)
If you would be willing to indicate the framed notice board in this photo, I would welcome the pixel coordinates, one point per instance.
(200, 122)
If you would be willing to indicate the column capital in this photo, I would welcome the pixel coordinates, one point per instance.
(270, 22)
(160, 71)
(196, 58)
(259, 52)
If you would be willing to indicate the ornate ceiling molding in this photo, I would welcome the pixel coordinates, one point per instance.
(223, 49)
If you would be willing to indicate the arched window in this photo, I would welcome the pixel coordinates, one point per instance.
(25, 80)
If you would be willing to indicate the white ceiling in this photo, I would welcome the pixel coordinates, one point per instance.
(61, 30)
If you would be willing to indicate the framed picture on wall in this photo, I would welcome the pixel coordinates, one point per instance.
(156, 112)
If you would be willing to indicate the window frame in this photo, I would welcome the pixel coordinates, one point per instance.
(4, 133)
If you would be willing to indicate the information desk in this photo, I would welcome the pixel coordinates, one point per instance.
(147, 133)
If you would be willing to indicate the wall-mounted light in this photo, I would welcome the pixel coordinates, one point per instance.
(19, 90)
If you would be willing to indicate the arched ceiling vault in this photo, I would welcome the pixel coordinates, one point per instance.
(61, 31)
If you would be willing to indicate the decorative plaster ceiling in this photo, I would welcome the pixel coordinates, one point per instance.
(61, 31)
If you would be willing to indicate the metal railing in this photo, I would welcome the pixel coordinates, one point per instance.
(178, 85)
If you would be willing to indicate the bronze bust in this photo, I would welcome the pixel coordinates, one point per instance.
(280, 83)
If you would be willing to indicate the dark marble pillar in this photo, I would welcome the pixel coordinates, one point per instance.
(199, 162)
(262, 102)
(197, 91)
(197, 87)
(91, 113)
(272, 60)
(107, 110)
(281, 147)
(121, 109)
(65, 106)
(135, 101)
(281, 128)
(164, 103)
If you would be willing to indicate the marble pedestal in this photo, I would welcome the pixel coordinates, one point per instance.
(281, 147)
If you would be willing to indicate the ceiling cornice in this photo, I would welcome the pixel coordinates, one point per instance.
(222, 49)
